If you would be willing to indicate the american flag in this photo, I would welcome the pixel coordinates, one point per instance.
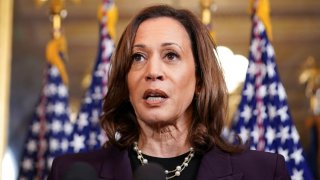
(263, 116)
(47, 132)
(87, 134)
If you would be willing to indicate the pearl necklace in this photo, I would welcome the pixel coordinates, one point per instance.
(169, 174)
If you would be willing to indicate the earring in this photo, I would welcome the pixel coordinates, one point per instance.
(196, 94)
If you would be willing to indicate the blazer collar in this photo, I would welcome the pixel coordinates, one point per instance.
(116, 165)
(217, 164)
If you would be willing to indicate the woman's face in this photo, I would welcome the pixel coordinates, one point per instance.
(162, 79)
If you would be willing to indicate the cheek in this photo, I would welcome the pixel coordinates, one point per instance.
(192, 81)
(188, 78)
(187, 85)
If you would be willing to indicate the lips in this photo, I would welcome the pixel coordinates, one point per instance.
(154, 96)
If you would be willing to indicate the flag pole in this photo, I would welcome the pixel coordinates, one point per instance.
(55, 45)
(206, 15)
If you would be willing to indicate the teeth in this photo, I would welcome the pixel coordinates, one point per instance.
(154, 98)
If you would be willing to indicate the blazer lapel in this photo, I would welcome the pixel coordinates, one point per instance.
(216, 164)
(116, 165)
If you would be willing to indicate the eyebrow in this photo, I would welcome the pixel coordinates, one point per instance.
(163, 45)
(171, 43)
(139, 46)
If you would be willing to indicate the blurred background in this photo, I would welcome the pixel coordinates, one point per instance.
(296, 40)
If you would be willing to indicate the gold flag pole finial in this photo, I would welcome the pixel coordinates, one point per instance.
(58, 12)
(206, 15)
(57, 46)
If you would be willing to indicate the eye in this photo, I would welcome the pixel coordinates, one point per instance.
(172, 56)
(137, 57)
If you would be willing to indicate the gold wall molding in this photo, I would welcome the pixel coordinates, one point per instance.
(6, 11)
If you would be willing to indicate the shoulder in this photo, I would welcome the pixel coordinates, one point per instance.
(252, 164)
(245, 156)
(251, 156)
(62, 163)
(95, 158)
(263, 164)
(91, 156)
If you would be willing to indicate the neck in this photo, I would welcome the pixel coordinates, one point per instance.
(165, 141)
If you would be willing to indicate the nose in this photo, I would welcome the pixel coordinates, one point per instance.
(154, 77)
(154, 70)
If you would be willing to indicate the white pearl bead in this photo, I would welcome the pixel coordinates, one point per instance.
(177, 173)
(145, 161)
(186, 158)
(178, 168)
(139, 157)
(185, 164)
(166, 171)
(139, 151)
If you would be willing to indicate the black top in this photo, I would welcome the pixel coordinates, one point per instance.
(189, 173)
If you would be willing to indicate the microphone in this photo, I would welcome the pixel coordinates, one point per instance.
(80, 171)
(149, 171)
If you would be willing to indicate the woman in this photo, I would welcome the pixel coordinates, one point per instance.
(166, 104)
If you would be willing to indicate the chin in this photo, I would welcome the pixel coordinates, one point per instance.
(159, 122)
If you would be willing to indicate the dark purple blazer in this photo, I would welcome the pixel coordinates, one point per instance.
(112, 163)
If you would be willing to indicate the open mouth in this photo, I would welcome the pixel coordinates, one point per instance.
(154, 95)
